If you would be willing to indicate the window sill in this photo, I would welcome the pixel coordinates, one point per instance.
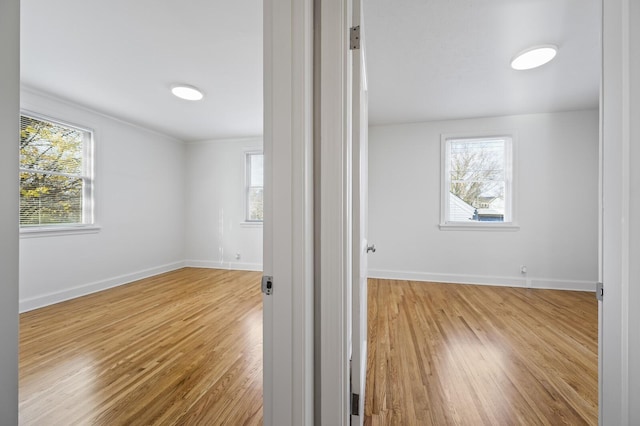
(251, 224)
(459, 226)
(57, 231)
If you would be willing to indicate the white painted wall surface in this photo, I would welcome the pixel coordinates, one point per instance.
(139, 206)
(215, 204)
(556, 196)
(9, 105)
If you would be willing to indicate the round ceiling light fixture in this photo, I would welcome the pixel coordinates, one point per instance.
(185, 91)
(534, 57)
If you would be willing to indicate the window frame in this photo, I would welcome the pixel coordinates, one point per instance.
(510, 181)
(88, 224)
(247, 222)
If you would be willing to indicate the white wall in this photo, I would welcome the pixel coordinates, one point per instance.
(557, 168)
(215, 206)
(139, 206)
(9, 105)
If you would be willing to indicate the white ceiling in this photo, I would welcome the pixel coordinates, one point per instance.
(122, 56)
(443, 59)
(427, 59)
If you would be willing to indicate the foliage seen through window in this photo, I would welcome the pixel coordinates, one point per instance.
(55, 181)
(478, 180)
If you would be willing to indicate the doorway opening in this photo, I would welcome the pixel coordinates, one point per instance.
(455, 79)
(133, 267)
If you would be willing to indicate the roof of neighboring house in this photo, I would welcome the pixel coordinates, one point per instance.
(459, 210)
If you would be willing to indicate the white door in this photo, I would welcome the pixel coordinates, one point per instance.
(359, 246)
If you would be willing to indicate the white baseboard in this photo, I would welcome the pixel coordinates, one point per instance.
(238, 266)
(83, 290)
(524, 282)
(527, 282)
(573, 285)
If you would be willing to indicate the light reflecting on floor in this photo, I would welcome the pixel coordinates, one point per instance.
(180, 348)
(490, 370)
(61, 383)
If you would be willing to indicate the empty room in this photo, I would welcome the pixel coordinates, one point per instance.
(147, 177)
(140, 213)
(483, 207)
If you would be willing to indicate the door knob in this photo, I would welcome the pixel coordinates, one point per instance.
(371, 248)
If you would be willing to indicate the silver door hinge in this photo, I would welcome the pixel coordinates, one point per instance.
(599, 291)
(267, 284)
(354, 38)
(355, 404)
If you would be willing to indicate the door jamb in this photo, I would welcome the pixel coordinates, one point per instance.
(288, 212)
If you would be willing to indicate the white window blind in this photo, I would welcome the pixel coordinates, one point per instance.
(254, 186)
(56, 183)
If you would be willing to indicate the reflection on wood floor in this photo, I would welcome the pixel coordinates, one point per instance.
(185, 348)
(180, 348)
(442, 354)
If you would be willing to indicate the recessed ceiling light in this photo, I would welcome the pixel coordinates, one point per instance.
(534, 57)
(184, 91)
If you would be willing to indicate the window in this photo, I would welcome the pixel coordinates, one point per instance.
(56, 183)
(477, 181)
(254, 186)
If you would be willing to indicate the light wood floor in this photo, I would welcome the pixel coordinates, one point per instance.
(442, 354)
(185, 348)
(180, 348)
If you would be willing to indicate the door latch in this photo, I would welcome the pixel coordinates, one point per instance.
(267, 284)
(599, 291)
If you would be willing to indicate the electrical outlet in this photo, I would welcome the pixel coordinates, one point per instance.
(238, 256)
(523, 269)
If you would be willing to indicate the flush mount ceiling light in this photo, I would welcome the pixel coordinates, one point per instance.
(534, 57)
(184, 91)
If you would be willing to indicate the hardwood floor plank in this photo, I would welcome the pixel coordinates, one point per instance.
(179, 348)
(443, 354)
(186, 348)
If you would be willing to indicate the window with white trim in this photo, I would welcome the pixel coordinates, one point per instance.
(477, 181)
(56, 174)
(254, 186)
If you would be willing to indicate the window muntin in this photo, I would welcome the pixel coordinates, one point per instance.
(56, 179)
(477, 181)
(254, 187)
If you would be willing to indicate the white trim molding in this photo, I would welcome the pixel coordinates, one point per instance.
(335, 191)
(510, 140)
(473, 226)
(75, 104)
(252, 224)
(212, 264)
(620, 101)
(9, 196)
(29, 304)
(499, 281)
(288, 397)
(57, 231)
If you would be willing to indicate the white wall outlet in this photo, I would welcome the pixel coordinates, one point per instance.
(238, 256)
(523, 269)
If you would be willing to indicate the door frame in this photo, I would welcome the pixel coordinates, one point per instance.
(359, 212)
(619, 378)
(9, 196)
(335, 211)
(288, 212)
